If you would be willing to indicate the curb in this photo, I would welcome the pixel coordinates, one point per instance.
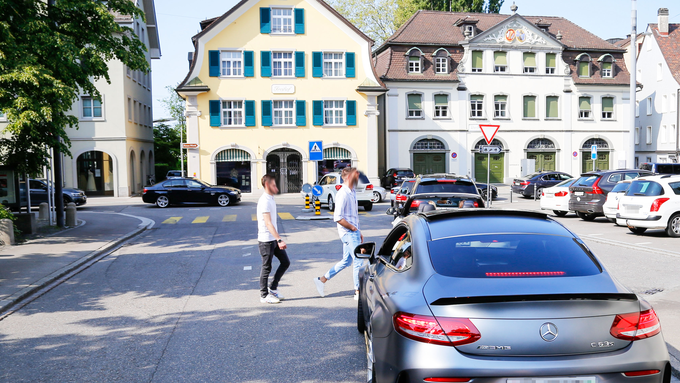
(674, 356)
(8, 303)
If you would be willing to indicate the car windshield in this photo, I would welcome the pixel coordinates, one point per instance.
(586, 181)
(644, 188)
(446, 186)
(621, 187)
(511, 255)
(406, 187)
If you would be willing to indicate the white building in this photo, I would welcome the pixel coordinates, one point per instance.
(658, 70)
(554, 88)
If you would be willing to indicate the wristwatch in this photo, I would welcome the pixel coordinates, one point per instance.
(279, 240)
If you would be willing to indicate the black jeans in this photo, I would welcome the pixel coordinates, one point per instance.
(269, 250)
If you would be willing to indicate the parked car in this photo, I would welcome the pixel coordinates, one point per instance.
(403, 192)
(395, 176)
(332, 182)
(189, 191)
(590, 191)
(556, 198)
(174, 174)
(652, 202)
(526, 185)
(611, 204)
(476, 295)
(39, 193)
(379, 194)
(482, 191)
(661, 168)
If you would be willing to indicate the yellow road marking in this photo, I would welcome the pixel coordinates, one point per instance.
(286, 216)
(253, 217)
(203, 219)
(229, 218)
(172, 220)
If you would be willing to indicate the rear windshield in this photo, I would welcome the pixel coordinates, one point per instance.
(362, 179)
(511, 256)
(667, 168)
(646, 167)
(532, 175)
(586, 181)
(406, 187)
(404, 173)
(447, 186)
(644, 188)
(566, 183)
(621, 187)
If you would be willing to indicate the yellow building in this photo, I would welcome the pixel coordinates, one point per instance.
(268, 77)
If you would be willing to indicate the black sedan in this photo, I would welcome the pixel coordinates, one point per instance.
(536, 182)
(189, 191)
(482, 191)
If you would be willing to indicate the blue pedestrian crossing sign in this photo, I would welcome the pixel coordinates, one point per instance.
(315, 150)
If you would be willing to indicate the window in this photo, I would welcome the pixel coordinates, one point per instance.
(500, 62)
(441, 65)
(607, 71)
(649, 106)
(414, 64)
(529, 62)
(470, 30)
(673, 103)
(550, 63)
(477, 61)
(500, 105)
(552, 107)
(659, 71)
(649, 136)
(637, 135)
(673, 134)
(282, 20)
(232, 63)
(584, 107)
(415, 105)
(637, 108)
(662, 134)
(232, 113)
(476, 106)
(139, 113)
(664, 104)
(529, 106)
(129, 109)
(282, 64)
(92, 107)
(283, 113)
(639, 75)
(333, 65)
(607, 108)
(134, 111)
(441, 105)
(583, 65)
(128, 72)
(334, 112)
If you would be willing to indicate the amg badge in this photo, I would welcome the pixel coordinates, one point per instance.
(494, 348)
(602, 344)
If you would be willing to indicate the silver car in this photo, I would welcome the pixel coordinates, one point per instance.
(491, 296)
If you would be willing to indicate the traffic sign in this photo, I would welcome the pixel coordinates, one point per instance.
(315, 151)
(490, 149)
(317, 190)
(454, 155)
(593, 152)
(575, 154)
(489, 132)
(306, 188)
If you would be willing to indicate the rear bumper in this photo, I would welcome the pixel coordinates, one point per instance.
(521, 190)
(648, 222)
(79, 201)
(590, 207)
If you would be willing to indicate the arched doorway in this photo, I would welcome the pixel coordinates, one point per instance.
(132, 178)
(286, 165)
(602, 162)
(497, 164)
(232, 168)
(142, 168)
(428, 156)
(334, 159)
(542, 150)
(95, 173)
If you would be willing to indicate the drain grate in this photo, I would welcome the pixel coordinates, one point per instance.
(651, 291)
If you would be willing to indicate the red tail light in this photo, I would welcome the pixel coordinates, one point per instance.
(401, 198)
(144, 192)
(542, 193)
(459, 380)
(596, 189)
(632, 373)
(394, 175)
(524, 183)
(475, 204)
(444, 331)
(416, 203)
(369, 187)
(657, 204)
(338, 187)
(527, 274)
(393, 191)
(561, 194)
(636, 326)
(448, 181)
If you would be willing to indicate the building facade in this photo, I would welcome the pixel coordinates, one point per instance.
(553, 88)
(268, 77)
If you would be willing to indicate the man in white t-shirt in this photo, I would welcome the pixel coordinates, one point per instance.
(270, 243)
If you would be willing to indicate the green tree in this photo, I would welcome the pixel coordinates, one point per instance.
(174, 106)
(166, 148)
(373, 17)
(406, 8)
(50, 53)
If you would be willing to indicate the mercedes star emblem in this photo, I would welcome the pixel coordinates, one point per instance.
(548, 332)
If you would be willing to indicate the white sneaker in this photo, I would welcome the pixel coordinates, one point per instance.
(270, 299)
(356, 296)
(276, 294)
(319, 286)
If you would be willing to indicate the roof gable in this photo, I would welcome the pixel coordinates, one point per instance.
(515, 32)
(670, 47)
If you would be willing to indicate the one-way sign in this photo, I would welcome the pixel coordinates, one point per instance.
(490, 149)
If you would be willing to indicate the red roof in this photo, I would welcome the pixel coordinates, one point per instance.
(670, 47)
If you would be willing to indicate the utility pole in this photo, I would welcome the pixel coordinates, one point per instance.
(633, 86)
(58, 174)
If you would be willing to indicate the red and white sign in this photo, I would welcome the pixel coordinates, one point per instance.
(489, 132)
(189, 146)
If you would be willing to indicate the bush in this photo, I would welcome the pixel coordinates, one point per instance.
(5, 212)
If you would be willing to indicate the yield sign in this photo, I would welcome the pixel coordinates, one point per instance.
(489, 132)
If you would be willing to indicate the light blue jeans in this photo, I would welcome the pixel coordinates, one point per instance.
(349, 241)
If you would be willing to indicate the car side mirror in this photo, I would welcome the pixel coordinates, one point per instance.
(314, 183)
(390, 211)
(365, 250)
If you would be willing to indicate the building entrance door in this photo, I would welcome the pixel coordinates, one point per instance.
(429, 163)
(602, 162)
(286, 166)
(497, 169)
(545, 161)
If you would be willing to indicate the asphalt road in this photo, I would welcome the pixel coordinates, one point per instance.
(180, 303)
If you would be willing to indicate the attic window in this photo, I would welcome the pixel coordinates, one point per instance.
(583, 65)
(441, 61)
(415, 61)
(469, 28)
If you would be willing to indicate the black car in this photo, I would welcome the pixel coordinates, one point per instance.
(482, 191)
(189, 191)
(39, 193)
(394, 177)
(535, 182)
(589, 193)
(428, 188)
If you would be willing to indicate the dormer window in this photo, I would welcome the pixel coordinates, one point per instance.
(583, 65)
(415, 61)
(441, 61)
(606, 66)
(529, 62)
(470, 30)
(500, 62)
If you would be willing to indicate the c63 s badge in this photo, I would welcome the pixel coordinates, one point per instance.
(494, 348)
(602, 344)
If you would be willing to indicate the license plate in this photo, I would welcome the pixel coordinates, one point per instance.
(548, 195)
(589, 379)
(579, 193)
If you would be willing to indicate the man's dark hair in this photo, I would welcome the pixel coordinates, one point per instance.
(267, 178)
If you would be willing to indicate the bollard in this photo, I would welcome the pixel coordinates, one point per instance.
(6, 232)
(71, 220)
(306, 201)
(43, 212)
(317, 207)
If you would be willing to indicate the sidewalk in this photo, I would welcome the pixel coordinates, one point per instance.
(26, 267)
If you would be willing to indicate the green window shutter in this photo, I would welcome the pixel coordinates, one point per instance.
(265, 20)
(583, 69)
(550, 60)
(477, 59)
(266, 113)
(499, 58)
(266, 64)
(349, 65)
(299, 21)
(215, 109)
(214, 63)
(317, 64)
(551, 107)
(415, 102)
(351, 107)
(584, 103)
(500, 98)
(477, 98)
(300, 113)
(250, 112)
(299, 64)
(317, 113)
(529, 59)
(607, 104)
(441, 99)
(249, 64)
(529, 106)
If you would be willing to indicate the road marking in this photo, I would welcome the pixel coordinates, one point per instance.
(215, 208)
(331, 213)
(286, 216)
(644, 243)
(364, 213)
(246, 247)
(594, 234)
(194, 209)
(229, 218)
(247, 267)
(203, 219)
(253, 217)
(172, 220)
(246, 254)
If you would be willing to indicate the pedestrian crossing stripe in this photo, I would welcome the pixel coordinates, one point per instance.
(203, 219)
(253, 217)
(229, 218)
(286, 216)
(172, 220)
(315, 149)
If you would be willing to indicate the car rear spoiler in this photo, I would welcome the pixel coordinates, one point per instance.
(536, 297)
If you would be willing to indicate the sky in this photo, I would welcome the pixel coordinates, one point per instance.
(178, 21)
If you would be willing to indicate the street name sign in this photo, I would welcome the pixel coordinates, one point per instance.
(489, 132)
(315, 151)
(189, 146)
(490, 149)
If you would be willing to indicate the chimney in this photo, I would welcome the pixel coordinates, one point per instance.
(190, 56)
(663, 21)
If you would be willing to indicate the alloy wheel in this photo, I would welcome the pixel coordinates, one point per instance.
(331, 204)
(162, 201)
(674, 226)
(223, 200)
(376, 197)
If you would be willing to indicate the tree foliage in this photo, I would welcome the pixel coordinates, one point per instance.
(406, 8)
(373, 17)
(166, 146)
(49, 55)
